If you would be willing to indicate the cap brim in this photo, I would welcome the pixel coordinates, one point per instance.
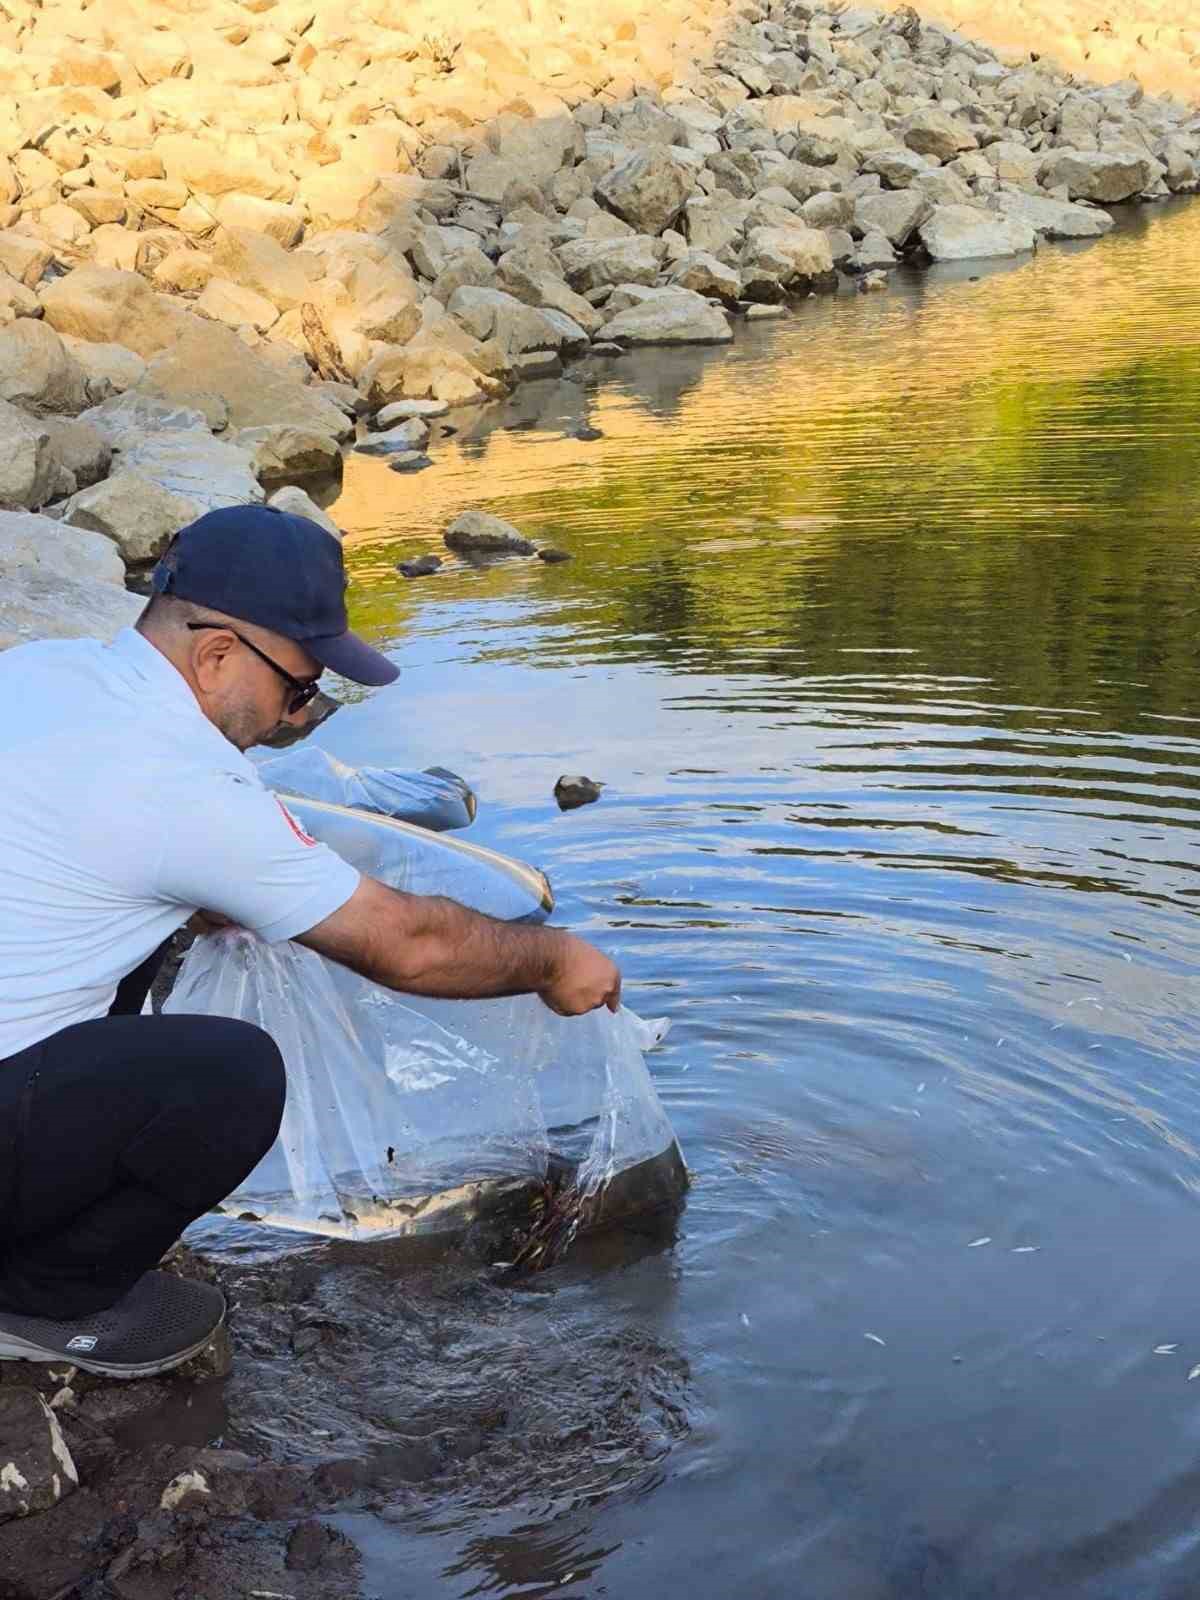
(346, 653)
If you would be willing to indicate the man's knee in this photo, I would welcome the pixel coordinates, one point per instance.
(244, 1078)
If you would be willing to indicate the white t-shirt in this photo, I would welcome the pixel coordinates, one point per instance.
(122, 811)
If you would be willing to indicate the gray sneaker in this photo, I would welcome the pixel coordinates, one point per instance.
(162, 1322)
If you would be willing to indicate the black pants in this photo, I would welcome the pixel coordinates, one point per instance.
(114, 1136)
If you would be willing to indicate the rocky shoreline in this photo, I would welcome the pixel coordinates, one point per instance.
(193, 313)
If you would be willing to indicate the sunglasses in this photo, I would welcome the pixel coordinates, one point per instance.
(303, 689)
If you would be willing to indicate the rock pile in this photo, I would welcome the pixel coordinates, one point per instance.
(230, 228)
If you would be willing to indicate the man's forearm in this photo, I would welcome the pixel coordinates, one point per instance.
(427, 945)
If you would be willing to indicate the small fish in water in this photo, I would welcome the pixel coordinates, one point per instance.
(557, 1215)
(572, 792)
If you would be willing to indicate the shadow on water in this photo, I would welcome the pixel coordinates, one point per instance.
(881, 629)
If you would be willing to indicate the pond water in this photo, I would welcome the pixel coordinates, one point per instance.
(882, 632)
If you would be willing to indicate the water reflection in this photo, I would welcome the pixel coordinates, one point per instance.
(881, 631)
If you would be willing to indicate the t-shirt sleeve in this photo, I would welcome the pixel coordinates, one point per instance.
(232, 847)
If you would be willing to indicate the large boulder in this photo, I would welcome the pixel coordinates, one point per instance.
(516, 327)
(107, 365)
(194, 466)
(427, 368)
(532, 273)
(703, 274)
(897, 214)
(29, 470)
(106, 306)
(1012, 162)
(283, 223)
(538, 148)
(279, 451)
(38, 372)
(1108, 176)
(138, 514)
(597, 263)
(965, 233)
(221, 165)
(35, 604)
(936, 133)
(209, 359)
(256, 261)
(80, 448)
(779, 261)
(124, 420)
(669, 316)
(36, 1469)
(1053, 219)
(648, 190)
(24, 256)
(28, 541)
(294, 500)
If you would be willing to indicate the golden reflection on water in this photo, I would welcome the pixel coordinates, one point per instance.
(871, 455)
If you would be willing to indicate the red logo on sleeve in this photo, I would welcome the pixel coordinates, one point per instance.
(304, 838)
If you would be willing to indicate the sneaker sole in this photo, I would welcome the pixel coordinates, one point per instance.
(14, 1349)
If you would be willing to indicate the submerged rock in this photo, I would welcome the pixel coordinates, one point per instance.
(553, 556)
(420, 567)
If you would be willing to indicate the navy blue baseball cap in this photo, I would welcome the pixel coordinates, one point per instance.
(280, 571)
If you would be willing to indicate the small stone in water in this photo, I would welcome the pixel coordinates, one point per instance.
(552, 556)
(587, 434)
(410, 461)
(605, 347)
(420, 567)
(576, 791)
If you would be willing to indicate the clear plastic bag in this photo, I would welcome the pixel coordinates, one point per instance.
(434, 799)
(412, 1116)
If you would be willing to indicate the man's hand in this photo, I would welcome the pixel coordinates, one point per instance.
(583, 980)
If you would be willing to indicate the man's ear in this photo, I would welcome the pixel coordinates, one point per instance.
(210, 651)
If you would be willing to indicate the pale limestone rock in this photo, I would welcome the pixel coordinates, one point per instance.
(281, 222)
(935, 133)
(105, 306)
(29, 469)
(80, 447)
(516, 327)
(294, 500)
(1109, 176)
(208, 358)
(487, 534)
(38, 372)
(134, 511)
(1053, 219)
(279, 451)
(669, 316)
(40, 605)
(237, 306)
(784, 259)
(592, 263)
(705, 275)
(648, 190)
(896, 214)
(31, 541)
(184, 271)
(24, 256)
(257, 262)
(964, 233)
(107, 364)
